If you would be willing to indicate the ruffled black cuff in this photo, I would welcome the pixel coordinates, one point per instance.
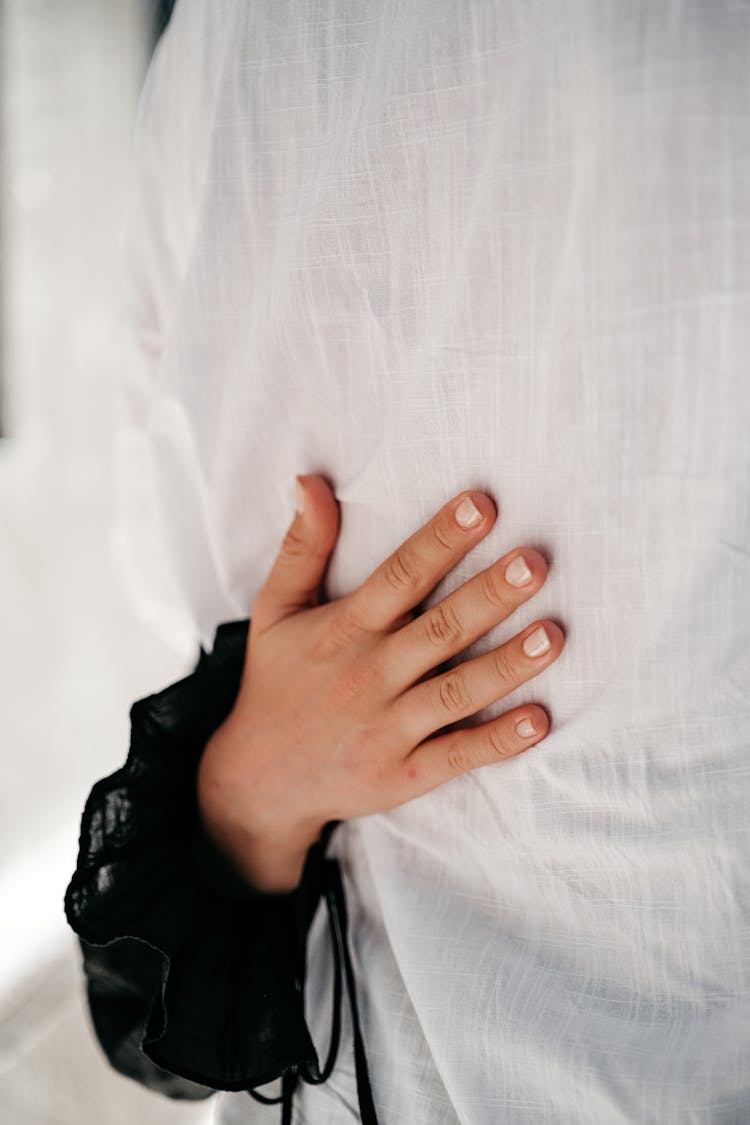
(227, 1009)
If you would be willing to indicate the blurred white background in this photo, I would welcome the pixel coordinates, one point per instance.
(73, 655)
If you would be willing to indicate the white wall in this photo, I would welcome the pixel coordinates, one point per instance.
(73, 657)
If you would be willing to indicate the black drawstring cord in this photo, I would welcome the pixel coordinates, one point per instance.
(337, 905)
(333, 888)
(289, 1082)
(315, 1079)
(263, 1099)
(288, 1086)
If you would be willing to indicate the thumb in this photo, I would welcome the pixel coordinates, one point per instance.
(296, 577)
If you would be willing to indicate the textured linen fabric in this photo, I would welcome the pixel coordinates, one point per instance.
(423, 246)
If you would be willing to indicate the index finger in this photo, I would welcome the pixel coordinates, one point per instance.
(415, 568)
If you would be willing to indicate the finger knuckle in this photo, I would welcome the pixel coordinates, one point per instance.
(294, 546)
(503, 666)
(441, 538)
(456, 757)
(338, 636)
(491, 592)
(453, 694)
(442, 626)
(353, 682)
(400, 571)
(497, 746)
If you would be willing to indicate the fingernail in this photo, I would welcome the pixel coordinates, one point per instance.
(467, 513)
(300, 498)
(517, 572)
(525, 728)
(537, 642)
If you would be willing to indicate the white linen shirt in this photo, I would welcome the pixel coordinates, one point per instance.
(422, 246)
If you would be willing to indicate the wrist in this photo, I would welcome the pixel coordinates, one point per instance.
(268, 853)
(263, 865)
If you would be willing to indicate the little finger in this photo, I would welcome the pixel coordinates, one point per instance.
(440, 759)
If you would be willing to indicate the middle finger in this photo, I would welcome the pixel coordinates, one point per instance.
(459, 619)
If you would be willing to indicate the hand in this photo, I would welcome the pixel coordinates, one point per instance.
(338, 709)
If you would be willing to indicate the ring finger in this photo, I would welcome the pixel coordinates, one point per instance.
(466, 689)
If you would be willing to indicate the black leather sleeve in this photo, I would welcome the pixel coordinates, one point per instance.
(194, 981)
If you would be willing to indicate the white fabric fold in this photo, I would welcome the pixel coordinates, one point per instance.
(436, 245)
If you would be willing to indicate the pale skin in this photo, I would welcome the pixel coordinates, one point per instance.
(339, 705)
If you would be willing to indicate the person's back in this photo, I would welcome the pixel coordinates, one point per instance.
(424, 247)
